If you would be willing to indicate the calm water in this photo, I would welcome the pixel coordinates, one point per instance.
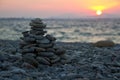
(84, 30)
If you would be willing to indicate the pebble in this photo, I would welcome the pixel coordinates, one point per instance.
(29, 39)
(5, 74)
(50, 50)
(115, 69)
(43, 41)
(2, 57)
(71, 76)
(38, 37)
(30, 60)
(5, 65)
(117, 75)
(38, 32)
(30, 50)
(27, 65)
(51, 38)
(37, 29)
(25, 34)
(43, 60)
(37, 25)
(15, 57)
(30, 54)
(29, 46)
(55, 59)
(40, 49)
(50, 45)
(18, 71)
(104, 43)
(65, 59)
(60, 51)
(37, 21)
(46, 54)
(22, 44)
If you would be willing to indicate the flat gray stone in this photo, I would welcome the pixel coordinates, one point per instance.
(43, 41)
(29, 50)
(25, 33)
(55, 59)
(28, 39)
(46, 54)
(37, 25)
(43, 60)
(45, 45)
(35, 32)
(51, 38)
(30, 60)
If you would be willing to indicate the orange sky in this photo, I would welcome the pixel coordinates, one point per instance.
(57, 8)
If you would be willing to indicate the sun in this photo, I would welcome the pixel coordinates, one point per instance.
(99, 12)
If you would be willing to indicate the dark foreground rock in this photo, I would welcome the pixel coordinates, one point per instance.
(87, 63)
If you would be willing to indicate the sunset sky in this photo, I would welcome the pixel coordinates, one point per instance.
(58, 8)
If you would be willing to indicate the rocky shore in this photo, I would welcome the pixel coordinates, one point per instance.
(86, 63)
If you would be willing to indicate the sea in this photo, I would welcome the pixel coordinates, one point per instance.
(65, 30)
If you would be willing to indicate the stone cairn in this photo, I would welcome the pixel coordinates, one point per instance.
(38, 48)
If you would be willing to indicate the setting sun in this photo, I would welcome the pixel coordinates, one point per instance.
(59, 8)
(99, 12)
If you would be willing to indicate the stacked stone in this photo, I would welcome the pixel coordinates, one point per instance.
(38, 48)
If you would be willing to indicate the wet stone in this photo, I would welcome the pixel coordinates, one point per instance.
(2, 58)
(71, 76)
(37, 21)
(5, 65)
(23, 43)
(30, 50)
(40, 49)
(29, 39)
(60, 51)
(43, 60)
(55, 59)
(65, 59)
(29, 46)
(5, 74)
(104, 43)
(43, 41)
(14, 58)
(39, 37)
(27, 65)
(38, 25)
(30, 54)
(50, 50)
(46, 54)
(37, 29)
(25, 34)
(117, 75)
(18, 71)
(46, 45)
(38, 32)
(50, 37)
(30, 60)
